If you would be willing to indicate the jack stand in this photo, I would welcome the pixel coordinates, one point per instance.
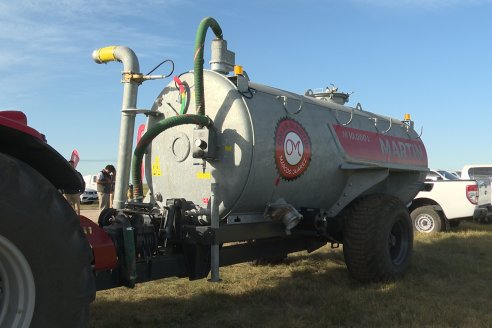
(214, 249)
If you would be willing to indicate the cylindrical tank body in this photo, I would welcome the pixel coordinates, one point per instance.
(273, 144)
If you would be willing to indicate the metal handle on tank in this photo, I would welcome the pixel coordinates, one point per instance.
(350, 119)
(375, 119)
(418, 137)
(283, 101)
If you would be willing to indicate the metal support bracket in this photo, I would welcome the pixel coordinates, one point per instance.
(360, 179)
(146, 112)
(214, 223)
(139, 78)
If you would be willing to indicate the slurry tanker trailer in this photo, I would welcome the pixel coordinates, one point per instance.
(237, 171)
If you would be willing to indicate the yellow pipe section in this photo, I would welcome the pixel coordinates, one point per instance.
(104, 55)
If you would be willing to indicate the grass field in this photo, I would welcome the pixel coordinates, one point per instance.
(448, 285)
(93, 206)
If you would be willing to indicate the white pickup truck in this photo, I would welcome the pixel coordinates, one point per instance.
(443, 204)
(480, 172)
(477, 172)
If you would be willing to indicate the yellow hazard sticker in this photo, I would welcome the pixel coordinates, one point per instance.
(203, 175)
(156, 167)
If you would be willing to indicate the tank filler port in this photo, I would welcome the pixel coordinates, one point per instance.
(204, 145)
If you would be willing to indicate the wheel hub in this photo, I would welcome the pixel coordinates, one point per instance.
(17, 288)
(424, 223)
(392, 240)
(397, 243)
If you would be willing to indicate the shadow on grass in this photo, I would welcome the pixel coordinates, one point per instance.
(448, 285)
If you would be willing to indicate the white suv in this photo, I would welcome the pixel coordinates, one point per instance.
(89, 196)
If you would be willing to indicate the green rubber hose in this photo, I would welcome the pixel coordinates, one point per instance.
(198, 59)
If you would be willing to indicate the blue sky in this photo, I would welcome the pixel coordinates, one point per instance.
(429, 58)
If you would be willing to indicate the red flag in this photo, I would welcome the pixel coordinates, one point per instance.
(141, 130)
(75, 158)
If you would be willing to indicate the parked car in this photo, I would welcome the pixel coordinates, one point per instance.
(481, 173)
(90, 181)
(456, 174)
(443, 204)
(89, 196)
(477, 172)
(435, 175)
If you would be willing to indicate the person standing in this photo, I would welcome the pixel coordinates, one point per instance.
(112, 174)
(104, 187)
(73, 195)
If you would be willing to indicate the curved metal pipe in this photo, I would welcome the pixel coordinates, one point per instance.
(130, 65)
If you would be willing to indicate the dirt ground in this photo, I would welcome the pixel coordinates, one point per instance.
(90, 214)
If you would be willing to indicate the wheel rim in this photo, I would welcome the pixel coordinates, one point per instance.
(424, 223)
(17, 289)
(398, 243)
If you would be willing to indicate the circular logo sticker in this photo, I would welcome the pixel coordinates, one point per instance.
(292, 149)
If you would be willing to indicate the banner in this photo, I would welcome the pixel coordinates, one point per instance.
(372, 146)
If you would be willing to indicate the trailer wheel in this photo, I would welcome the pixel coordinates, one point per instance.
(426, 219)
(377, 238)
(46, 278)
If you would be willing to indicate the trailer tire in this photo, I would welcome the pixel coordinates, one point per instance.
(41, 235)
(377, 238)
(426, 219)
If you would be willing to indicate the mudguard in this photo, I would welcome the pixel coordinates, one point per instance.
(19, 140)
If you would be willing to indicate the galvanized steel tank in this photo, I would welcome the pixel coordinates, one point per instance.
(270, 144)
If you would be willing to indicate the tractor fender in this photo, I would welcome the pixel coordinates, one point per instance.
(28, 145)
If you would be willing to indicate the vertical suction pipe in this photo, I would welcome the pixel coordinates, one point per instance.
(198, 59)
(130, 65)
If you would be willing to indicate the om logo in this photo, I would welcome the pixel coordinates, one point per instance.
(292, 149)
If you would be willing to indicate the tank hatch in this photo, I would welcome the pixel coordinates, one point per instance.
(329, 94)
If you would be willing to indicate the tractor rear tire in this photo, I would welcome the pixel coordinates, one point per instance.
(46, 278)
(377, 238)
